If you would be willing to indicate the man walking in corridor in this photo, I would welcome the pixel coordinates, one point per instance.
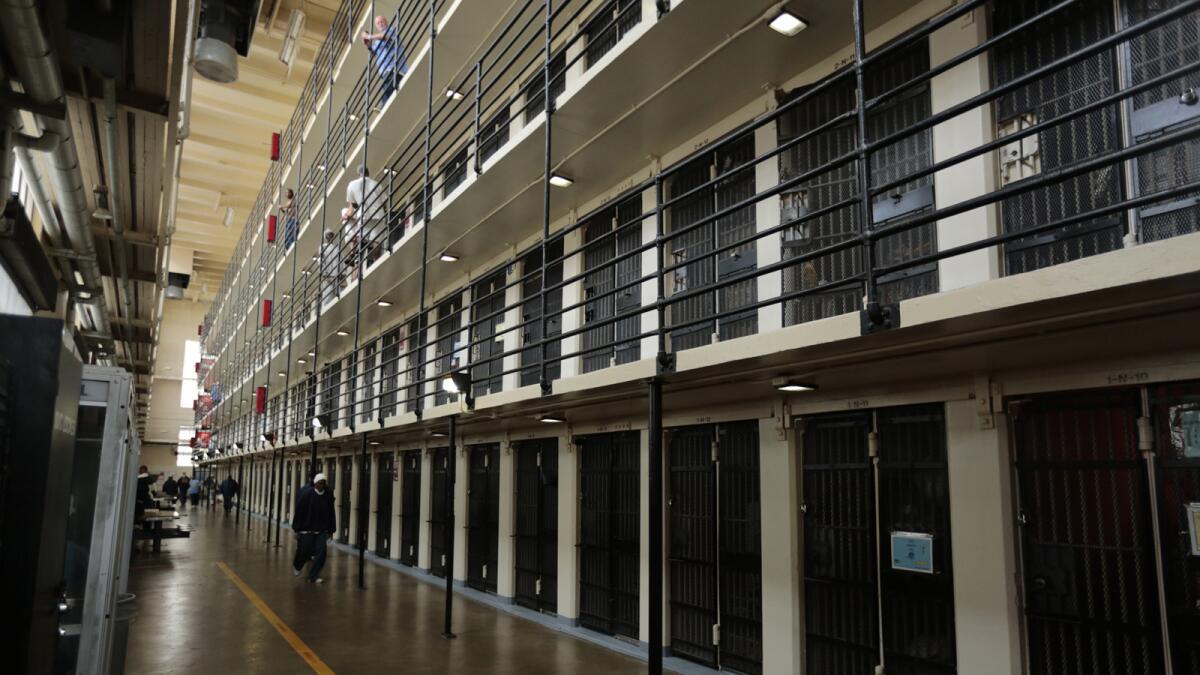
(314, 522)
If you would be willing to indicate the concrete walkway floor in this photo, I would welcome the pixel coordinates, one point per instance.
(194, 618)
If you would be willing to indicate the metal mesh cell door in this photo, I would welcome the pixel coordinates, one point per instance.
(389, 368)
(483, 516)
(384, 477)
(487, 312)
(848, 572)
(288, 495)
(415, 333)
(437, 513)
(410, 506)
(536, 526)
(611, 236)
(1062, 145)
(531, 312)
(1176, 418)
(1088, 582)
(362, 504)
(707, 186)
(344, 499)
(914, 496)
(448, 326)
(715, 546)
(1168, 107)
(609, 533)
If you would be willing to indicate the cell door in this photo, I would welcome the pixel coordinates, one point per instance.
(483, 516)
(410, 506)
(1089, 568)
(437, 513)
(362, 506)
(610, 543)
(531, 312)
(715, 546)
(609, 286)
(289, 504)
(344, 500)
(537, 524)
(383, 505)
(862, 608)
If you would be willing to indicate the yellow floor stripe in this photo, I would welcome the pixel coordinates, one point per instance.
(309, 656)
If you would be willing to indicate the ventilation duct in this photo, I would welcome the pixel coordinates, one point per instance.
(226, 27)
(179, 271)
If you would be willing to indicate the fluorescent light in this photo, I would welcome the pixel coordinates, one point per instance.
(439, 434)
(559, 180)
(447, 256)
(793, 386)
(454, 95)
(282, 374)
(228, 216)
(551, 419)
(79, 278)
(301, 361)
(786, 23)
(353, 117)
(84, 295)
(373, 443)
(312, 353)
(320, 167)
(342, 333)
(384, 303)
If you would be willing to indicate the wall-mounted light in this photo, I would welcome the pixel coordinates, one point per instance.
(793, 386)
(456, 382)
(320, 422)
(341, 333)
(559, 180)
(447, 257)
(384, 303)
(786, 23)
(454, 95)
(301, 361)
(282, 374)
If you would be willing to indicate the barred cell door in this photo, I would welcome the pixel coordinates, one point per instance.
(289, 505)
(483, 516)
(487, 313)
(610, 540)
(344, 499)
(410, 506)
(537, 524)
(866, 603)
(715, 546)
(383, 505)
(1090, 571)
(437, 513)
(362, 505)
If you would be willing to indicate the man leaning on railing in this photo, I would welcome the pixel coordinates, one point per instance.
(388, 55)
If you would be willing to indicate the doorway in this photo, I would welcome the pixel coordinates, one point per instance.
(410, 506)
(483, 516)
(536, 524)
(610, 532)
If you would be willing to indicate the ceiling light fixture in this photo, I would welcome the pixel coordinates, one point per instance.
(228, 216)
(551, 419)
(374, 443)
(282, 374)
(454, 95)
(384, 303)
(559, 180)
(447, 256)
(786, 23)
(341, 333)
(301, 361)
(793, 386)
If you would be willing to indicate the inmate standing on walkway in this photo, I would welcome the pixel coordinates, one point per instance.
(314, 523)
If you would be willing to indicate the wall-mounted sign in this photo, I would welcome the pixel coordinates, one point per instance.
(912, 552)
(1193, 519)
(1189, 426)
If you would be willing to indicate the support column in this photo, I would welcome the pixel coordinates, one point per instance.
(373, 502)
(568, 527)
(426, 502)
(781, 560)
(974, 177)
(768, 250)
(649, 261)
(986, 615)
(397, 494)
(644, 531)
(572, 293)
(506, 555)
(462, 480)
(355, 485)
(511, 340)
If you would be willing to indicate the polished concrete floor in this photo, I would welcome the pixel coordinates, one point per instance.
(192, 618)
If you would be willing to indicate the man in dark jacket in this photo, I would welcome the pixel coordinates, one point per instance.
(229, 488)
(171, 488)
(313, 522)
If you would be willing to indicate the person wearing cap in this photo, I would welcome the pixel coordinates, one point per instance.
(314, 523)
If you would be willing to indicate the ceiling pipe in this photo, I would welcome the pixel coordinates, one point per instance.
(43, 143)
(50, 224)
(36, 67)
(125, 292)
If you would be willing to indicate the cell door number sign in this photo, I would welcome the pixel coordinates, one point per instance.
(912, 552)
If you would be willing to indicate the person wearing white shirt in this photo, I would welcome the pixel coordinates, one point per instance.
(366, 200)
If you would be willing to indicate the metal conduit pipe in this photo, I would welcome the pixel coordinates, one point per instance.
(50, 224)
(125, 296)
(37, 69)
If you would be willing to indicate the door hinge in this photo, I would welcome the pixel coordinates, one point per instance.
(537, 586)
(485, 571)
(1145, 435)
(872, 444)
(716, 445)
(539, 458)
(716, 634)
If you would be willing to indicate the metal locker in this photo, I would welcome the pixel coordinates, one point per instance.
(483, 516)
(610, 534)
(536, 524)
(437, 513)
(383, 504)
(410, 506)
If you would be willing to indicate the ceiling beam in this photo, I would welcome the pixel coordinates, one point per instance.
(131, 237)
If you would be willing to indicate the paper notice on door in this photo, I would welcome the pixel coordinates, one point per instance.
(912, 552)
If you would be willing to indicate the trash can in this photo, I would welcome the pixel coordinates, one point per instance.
(125, 614)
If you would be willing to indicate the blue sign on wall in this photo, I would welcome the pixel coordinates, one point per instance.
(912, 552)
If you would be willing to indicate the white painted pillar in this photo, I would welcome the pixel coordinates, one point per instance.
(649, 289)
(778, 464)
(568, 528)
(506, 553)
(426, 504)
(986, 615)
(511, 340)
(397, 491)
(572, 294)
(973, 177)
(644, 542)
(372, 501)
(462, 471)
(355, 486)
(768, 249)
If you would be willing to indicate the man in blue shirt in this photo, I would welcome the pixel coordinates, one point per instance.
(388, 55)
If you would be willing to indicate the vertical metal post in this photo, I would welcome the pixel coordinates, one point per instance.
(237, 515)
(448, 533)
(548, 106)
(278, 502)
(660, 278)
(655, 507)
(363, 490)
(870, 297)
(249, 480)
(425, 209)
(270, 496)
(1146, 446)
(478, 95)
